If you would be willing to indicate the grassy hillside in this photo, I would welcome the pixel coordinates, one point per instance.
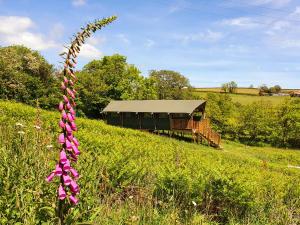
(132, 177)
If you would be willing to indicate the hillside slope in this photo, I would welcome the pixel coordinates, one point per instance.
(132, 177)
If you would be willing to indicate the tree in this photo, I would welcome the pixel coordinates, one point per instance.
(171, 85)
(229, 87)
(225, 87)
(111, 78)
(25, 75)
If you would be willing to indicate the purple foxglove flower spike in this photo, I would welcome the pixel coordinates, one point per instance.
(73, 157)
(74, 187)
(68, 128)
(63, 157)
(72, 111)
(63, 86)
(70, 117)
(66, 80)
(61, 193)
(51, 176)
(69, 149)
(68, 105)
(61, 106)
(73, 200)
(75, 150)
(75, 141)
(61, 124)
(64, 115)
(67, 166)
(70, 137)
(73, 126)
(68, 145)
(66, 179)
(58, 170)
(65, 99)
(61, 138)
(74, 173)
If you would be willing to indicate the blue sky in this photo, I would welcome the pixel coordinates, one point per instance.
(211, 42)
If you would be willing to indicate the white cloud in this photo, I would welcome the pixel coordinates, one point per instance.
(16, 30)
(178, 5)
(78, 2)
(14, 24)
(242, 22)
(275, 3)
(207, 36)
(123, 38)
(90, 50)
(149, 43)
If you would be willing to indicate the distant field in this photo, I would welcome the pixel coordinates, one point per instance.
(247, 99)
(245, 91)
(248, 91)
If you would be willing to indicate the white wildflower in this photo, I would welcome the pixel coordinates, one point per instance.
(21, 132)
(37, 127)
(194, 203)
(19, 125)
(49, 146)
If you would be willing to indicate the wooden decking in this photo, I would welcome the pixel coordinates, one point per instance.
(199, 129)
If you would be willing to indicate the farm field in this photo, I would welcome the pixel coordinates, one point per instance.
(248, 91)
(245, 99)
(132, 177)
(241, 90)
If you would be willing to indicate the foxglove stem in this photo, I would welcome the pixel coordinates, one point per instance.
(68, 188)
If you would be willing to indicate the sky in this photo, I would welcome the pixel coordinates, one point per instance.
(211, 42)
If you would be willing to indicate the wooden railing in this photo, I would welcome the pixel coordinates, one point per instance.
(201, 127)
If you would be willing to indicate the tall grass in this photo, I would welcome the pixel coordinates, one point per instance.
(130, 177)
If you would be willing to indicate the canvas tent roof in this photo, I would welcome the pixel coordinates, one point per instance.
(155, 106)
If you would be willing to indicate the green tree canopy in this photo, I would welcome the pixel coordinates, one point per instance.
(111, 78)
(25, 75)
(171, 84)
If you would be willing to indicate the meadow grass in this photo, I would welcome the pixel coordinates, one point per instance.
(132, 177)
(247, 99)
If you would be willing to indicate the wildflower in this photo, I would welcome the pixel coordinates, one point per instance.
(61, 106)
(73, 200)
(75, 141)
(68, 145)
(74, 173)
(72, 111)
(64, 115)
(194, 203)
(58, 170)
(61, 138)
(66, 179)
(49, 146)
(63, 86)
(61, 124)
(63, 157)
(68, 105)
(65, 99)
(66, 166)
(19, 125)
(21, 132)
(74, 187)
(37, 127)
(68, 128)
(50, 177)
(66, 80)
(70, 117)
(61, 193)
